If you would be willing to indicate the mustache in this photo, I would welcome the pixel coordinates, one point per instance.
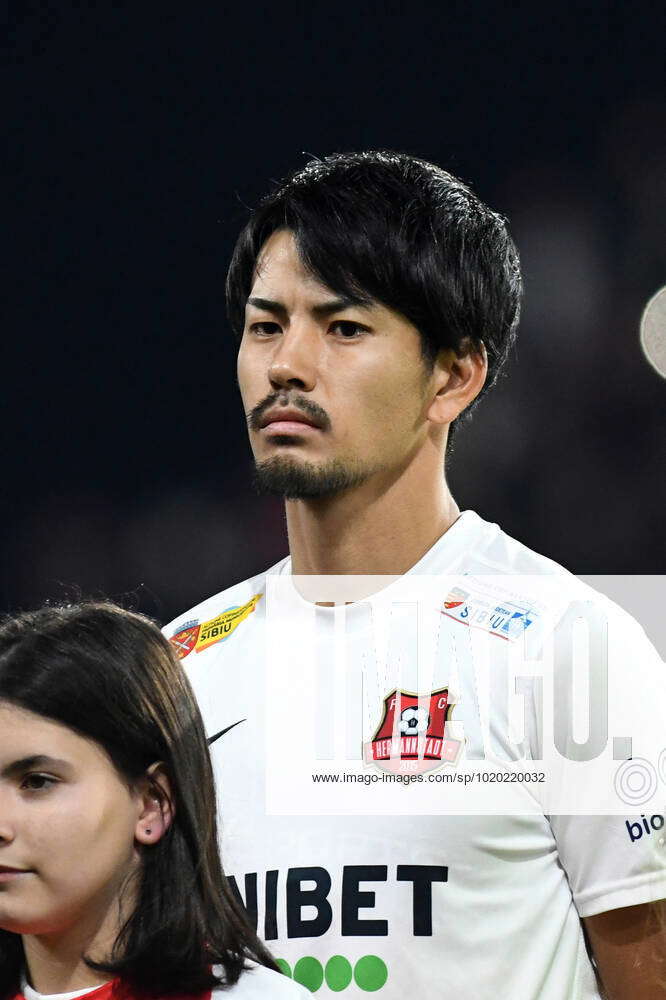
(306, 406)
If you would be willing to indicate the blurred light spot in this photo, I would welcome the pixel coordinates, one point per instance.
(653, 332)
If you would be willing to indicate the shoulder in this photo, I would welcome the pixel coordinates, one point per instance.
(499, 568)
(259, 983)
(232, 598)
(495, 551)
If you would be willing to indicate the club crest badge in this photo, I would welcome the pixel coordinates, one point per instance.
(411, 735)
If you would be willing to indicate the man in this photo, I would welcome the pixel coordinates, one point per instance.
(376, 299)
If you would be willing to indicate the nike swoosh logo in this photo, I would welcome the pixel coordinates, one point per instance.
(211, 739)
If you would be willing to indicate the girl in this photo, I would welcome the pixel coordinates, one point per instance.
(110, 879)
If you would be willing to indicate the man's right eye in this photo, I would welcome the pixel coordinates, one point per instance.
(264, 329)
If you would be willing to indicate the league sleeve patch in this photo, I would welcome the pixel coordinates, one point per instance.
(220, 628)
(199, 636)
(507, 620)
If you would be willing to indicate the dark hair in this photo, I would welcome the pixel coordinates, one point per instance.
(403, 232)
(111, 676)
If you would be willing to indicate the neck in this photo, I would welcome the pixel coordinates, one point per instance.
(379, 528)
(57, 966)
(54, 961)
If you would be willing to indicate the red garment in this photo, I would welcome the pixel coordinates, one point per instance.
(116, 991)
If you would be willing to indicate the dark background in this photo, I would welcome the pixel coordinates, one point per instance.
(136, 141)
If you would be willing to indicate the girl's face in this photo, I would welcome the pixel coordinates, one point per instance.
(68, 824)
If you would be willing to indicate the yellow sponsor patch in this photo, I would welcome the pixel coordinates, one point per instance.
(221, 627)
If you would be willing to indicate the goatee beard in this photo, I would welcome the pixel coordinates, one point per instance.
(303, 481)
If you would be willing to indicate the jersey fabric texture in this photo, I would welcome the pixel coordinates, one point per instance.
(256, 983)
(474, 907)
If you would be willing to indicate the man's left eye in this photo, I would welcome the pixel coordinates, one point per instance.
(348, 330)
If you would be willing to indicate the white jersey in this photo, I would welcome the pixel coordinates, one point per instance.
(474, 907)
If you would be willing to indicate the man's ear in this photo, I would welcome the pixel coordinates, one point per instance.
(457, 382)
(156, 805)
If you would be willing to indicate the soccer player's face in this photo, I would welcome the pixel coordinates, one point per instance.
(67, 823)
(335, 393)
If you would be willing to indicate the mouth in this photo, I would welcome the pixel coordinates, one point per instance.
(7, 874)
(288, 421)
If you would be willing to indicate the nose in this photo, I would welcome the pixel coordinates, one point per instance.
(295, 361)
(6, 825)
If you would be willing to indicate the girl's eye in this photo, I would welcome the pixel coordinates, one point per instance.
(348, 330)
(37, 782)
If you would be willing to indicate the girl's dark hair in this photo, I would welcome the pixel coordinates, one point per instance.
(112, 677)
(401, 231)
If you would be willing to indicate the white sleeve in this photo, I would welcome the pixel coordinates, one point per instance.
(606, 869)
(613, 861)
